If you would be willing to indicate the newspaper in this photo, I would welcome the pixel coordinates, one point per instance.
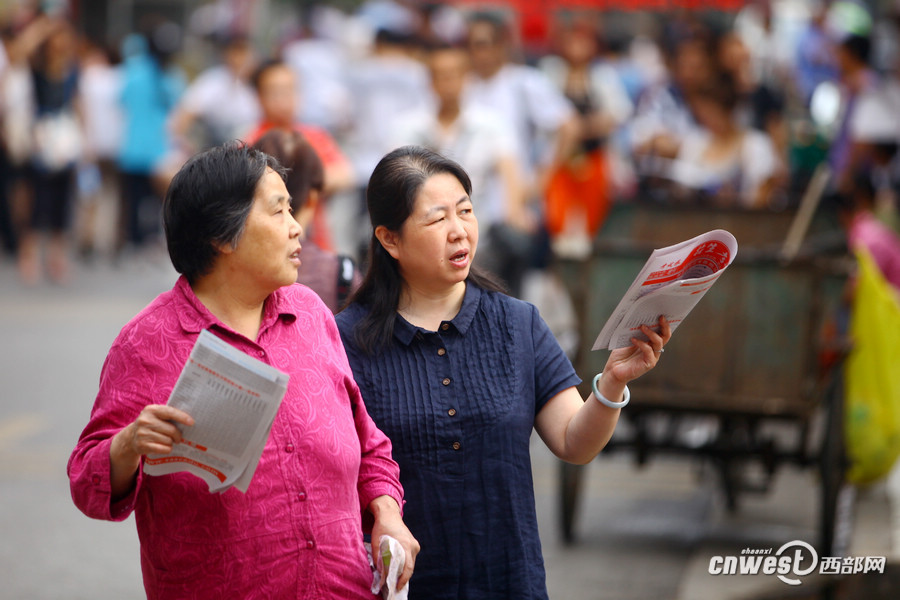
(233, 399)
(671, 283)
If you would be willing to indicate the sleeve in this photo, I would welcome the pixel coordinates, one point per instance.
(871, 117)
(175, 84)
(379, 474)
(687, 168)
(324, 145)
(614, 97)
(122, 396)
(412, 129)
(501, 136)
(547, 106)
(760, 161)
(197, 96)
(553, 371)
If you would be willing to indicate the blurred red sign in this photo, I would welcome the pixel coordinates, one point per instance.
(548, 6)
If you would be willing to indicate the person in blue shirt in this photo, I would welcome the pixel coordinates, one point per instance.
(150, 90)
(458, 374)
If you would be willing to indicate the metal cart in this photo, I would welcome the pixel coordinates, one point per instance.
(751, 352)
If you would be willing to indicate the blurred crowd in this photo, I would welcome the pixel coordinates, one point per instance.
(554, 120)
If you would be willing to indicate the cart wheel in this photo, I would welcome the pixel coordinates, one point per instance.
(837, 495)
(569, 488)
(730, 478)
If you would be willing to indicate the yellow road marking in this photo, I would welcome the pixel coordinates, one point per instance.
(16, 429)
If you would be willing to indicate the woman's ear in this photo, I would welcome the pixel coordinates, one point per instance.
(389, 240)
(223, 247)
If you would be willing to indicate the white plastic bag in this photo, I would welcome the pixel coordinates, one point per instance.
(392, 555)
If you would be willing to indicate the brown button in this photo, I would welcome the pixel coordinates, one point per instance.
(457, 445)
(446, 381)
(442, 352)
(445, 326)
(452, 412)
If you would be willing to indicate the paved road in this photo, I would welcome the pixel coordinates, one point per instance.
(642, 534)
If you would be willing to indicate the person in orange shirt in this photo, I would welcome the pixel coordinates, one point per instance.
(276, 87)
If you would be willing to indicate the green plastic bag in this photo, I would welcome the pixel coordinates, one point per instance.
(872, 376)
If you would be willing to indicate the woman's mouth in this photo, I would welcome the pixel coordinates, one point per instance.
(295, 257)
(460, 259)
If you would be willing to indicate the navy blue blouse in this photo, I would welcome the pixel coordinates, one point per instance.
(459, 406)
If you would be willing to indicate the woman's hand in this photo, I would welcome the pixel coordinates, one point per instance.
(388, 521)
(629, 363)
(153, 432)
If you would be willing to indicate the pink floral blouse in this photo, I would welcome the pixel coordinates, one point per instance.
(297, 532)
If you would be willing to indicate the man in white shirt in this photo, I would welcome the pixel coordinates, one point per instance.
(544, 126)
(543, 121)
(476, 138)
(221, 100)
(387, 84)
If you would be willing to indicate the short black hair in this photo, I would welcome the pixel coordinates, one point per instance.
(392, 37)
(858, 46)
(228, 40)
(207, 204)
(495, 20)
(720, 89)
(857, 193)
(266, 65)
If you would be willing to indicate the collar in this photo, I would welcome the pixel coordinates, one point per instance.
(261, 129)
(405, 331)
(194, 316)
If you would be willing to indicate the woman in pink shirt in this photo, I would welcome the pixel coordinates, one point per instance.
(864, 230)
(326, 474)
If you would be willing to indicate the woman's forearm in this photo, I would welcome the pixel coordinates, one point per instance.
(123, 465)
(577, 429)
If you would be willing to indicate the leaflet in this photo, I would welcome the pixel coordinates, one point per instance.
(671, 283)
(233, 399)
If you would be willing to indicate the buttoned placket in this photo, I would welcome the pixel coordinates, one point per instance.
(448, 389)
(297, 495)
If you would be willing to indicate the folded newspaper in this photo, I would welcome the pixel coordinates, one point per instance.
(233, 399)
(671, 283)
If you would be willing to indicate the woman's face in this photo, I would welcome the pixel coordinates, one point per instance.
(268, 250)
(693, 66)
(437, 242)
(486, 51)
(278, 95)
(61, 43)
(448, 74)
(578, 47)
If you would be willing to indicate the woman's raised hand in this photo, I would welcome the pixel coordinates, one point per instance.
(626, 364)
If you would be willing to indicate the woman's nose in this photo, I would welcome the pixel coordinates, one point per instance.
(458, 230)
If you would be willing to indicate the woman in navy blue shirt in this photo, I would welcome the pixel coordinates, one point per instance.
(458, 374)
